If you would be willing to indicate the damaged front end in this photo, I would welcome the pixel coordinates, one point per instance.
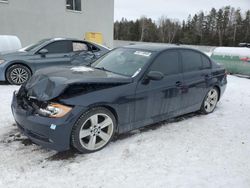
(46, 123)
(50, 103)
(50, 109)
(54, 108)
(46, 86)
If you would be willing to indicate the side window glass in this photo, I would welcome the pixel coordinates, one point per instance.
(79, 46)
(206, 62)
(191, 60)
(167, 63)
(59, 47)
(94, 48)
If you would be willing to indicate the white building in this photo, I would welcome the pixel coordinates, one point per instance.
(33, 20)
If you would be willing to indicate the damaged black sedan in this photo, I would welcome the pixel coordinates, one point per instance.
(128, 88)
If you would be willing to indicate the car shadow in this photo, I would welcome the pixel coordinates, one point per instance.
(3, 83)
(15, 136)
(155, 126)
(66, 155)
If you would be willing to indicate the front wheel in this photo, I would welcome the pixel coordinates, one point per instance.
(18, 74)
(210, 101)
(93, 130)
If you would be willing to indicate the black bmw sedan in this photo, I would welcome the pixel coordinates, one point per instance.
(128, 88)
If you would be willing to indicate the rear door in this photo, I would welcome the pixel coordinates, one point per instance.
(196, 76)
(59, 53)
(157, 100)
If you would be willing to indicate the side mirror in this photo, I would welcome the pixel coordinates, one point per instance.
(43, 52)
(155, 75)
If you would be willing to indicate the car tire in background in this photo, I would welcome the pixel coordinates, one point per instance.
(93, 130)
(18, 74)
(210, 101)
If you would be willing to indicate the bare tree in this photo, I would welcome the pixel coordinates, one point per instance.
(168, 29)
(143, 23)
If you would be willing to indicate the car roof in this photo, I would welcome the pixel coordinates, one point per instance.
(58, 39)
(159, 47)
(152, 47)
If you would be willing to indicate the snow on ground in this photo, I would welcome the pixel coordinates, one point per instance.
(195, 151)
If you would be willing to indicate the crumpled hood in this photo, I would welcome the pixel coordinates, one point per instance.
(49, 83)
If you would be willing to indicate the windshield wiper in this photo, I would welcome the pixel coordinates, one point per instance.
(101, 68)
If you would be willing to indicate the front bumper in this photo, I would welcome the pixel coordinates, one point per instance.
(52, 133)
(2, 72)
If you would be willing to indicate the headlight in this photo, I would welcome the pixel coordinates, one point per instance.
(2, 61)
(55, 110)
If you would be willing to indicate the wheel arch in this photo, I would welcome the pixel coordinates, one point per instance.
(113, 111)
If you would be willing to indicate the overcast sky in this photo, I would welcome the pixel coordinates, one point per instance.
(180, 9)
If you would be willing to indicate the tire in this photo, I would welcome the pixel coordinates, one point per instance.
(18, 74)
(210, 101)
(93, 130)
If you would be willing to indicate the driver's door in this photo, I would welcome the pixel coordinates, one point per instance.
(158, 100)
(58, 54)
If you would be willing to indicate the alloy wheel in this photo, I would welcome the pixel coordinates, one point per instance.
(96, 131)
(211, 100)
(19, 75)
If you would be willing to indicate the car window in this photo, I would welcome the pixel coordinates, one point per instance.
(191, 60)
(94, 48)
(79, 46)
(206, 62)
(167, 63)
(33, 46)
(59, 47)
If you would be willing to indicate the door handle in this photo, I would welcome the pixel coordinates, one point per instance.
(206, 76)
(178, 84)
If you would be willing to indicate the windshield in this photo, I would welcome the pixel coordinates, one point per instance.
(33, 46)
(124, 61)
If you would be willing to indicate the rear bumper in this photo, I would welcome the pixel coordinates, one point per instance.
(223, 86)
(52, 133)
(222, 90)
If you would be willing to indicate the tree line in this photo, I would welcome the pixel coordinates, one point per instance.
(226, 26)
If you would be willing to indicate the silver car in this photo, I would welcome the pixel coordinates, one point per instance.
(17, 67)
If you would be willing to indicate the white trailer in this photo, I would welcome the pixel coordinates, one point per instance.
(9, 43)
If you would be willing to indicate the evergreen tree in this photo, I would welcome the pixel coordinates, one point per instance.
(224, 27)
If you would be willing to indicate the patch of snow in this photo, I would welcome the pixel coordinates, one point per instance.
(136, 73)
(82, 69)
(208, 54)
(199, 151)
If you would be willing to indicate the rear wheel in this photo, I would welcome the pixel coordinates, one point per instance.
(18, 74)
(94, 130)
(210, 101)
